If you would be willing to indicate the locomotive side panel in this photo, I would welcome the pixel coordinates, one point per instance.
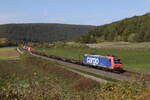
(98, 61)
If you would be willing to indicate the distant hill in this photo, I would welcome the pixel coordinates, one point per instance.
(42, 32)
(135, 29)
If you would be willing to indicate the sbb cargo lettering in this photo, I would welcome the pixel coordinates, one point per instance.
(94, 61)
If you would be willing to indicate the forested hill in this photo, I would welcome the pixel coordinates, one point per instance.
(135, 29)
(42, 32)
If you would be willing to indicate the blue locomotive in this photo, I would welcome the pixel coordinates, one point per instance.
(109, 62)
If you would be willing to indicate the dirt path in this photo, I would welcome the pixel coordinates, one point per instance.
(9, 53)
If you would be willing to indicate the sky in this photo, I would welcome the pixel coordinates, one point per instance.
(86, 12)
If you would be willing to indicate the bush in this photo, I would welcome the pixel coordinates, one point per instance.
(131, 38)
(84, 84)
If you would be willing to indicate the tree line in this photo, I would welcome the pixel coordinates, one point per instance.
(135, 29)
(42, 32)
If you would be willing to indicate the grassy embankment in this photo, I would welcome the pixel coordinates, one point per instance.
(32, 78)
(8, 53)
(133, 59)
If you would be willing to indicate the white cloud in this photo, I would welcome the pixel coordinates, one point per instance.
(3, 20)
(7, 18)
(61, 19)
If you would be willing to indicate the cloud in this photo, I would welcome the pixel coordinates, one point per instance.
(3, 20)
(7, 18)
(57, 19)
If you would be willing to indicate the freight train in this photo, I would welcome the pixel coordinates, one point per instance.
(108, 62)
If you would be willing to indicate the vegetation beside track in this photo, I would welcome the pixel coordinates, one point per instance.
(95, 75)
(34, 78)
(133, 59)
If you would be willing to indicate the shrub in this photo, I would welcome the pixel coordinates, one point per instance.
(84, 84)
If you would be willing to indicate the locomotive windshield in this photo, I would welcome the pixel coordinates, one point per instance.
(117, 61)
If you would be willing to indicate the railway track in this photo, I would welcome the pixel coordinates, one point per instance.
(125, 75)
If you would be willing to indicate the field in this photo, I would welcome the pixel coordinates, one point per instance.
(8, 53)
(121, 45)
(133, 59)
(32, 78)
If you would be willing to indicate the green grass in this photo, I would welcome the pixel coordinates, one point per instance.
(134, 60)
(8, 57)
(7, 49)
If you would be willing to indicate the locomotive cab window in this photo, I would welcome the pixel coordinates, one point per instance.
(117, 61)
